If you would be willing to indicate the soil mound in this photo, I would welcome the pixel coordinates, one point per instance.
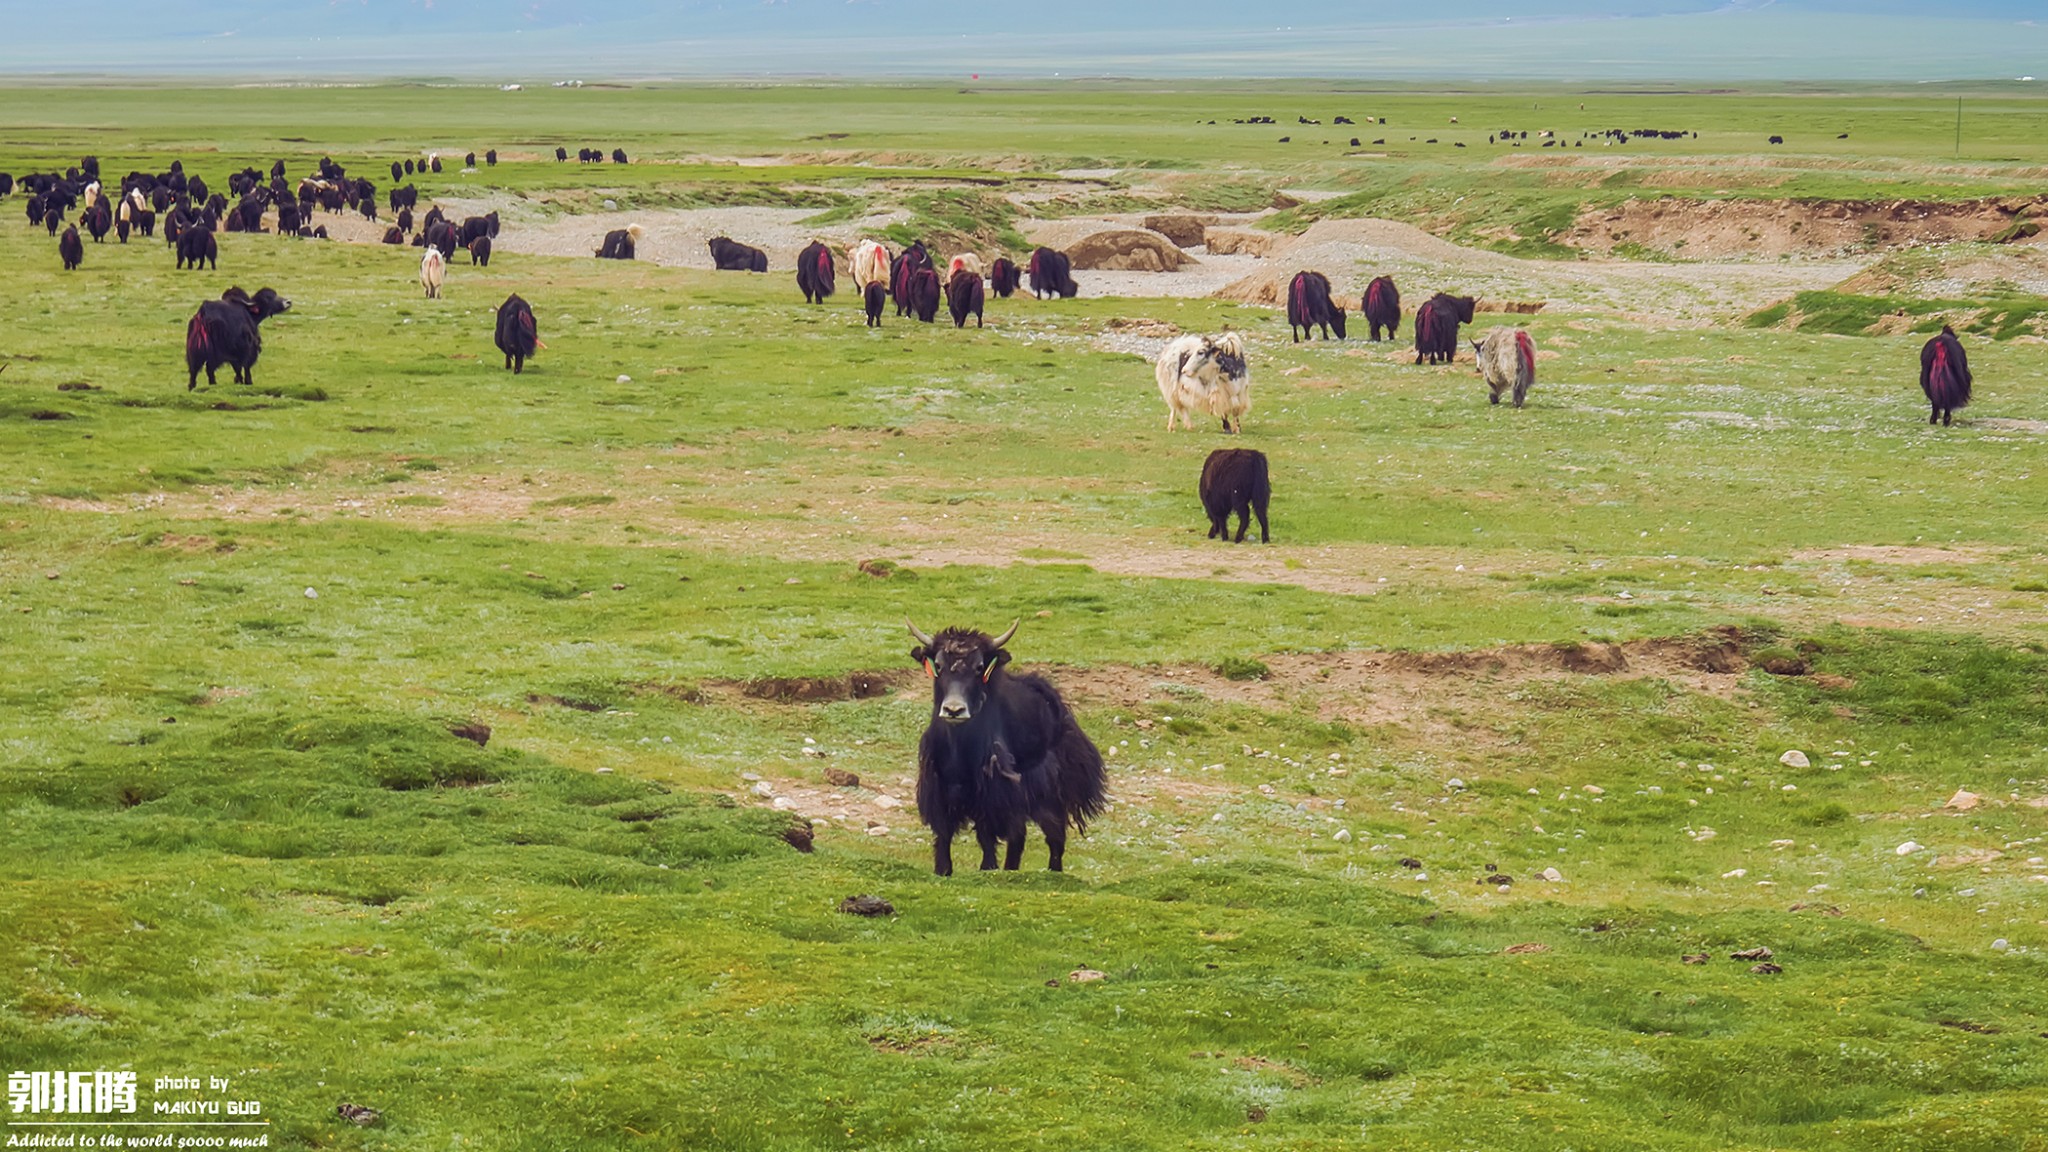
(1130, 250)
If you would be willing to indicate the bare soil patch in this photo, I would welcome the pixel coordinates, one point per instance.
(1733, 228)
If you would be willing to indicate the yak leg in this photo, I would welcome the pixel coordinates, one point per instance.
(1244, 519)
(1013, 854)
(1055, 829)
(942, 850)
(987, 836)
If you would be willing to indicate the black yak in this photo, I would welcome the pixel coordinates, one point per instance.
(964, 296)
(561, 154)
(901, 269)
(196, 244)
(1382, 307)
(476, 226)
(491, 158)
(728, 255)
(619, 242)
(874, 298)
(289, 220)
(1001, 752)
(53, 220)
(1003, 277)
(442, 235)
(517, 336)
(98, 220)
(924, 294)
(394, 235)
(396, 172)
(619, 157)
(224, 331)
(469, 161)
(71, 248)
(405, 220)
(1235, 480)
(1051, 274)
(1436, 327)
(815, 272)
(1309, 307)
(480, 251)
(1944, 375)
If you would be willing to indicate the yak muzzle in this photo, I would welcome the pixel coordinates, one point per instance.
(954, 710)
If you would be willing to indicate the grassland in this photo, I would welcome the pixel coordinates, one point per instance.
(240, 624)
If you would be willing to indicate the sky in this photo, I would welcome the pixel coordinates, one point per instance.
(1841, 40)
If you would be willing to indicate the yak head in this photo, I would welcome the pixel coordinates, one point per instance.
(265, 304)
(1225, 352)
(961, 663)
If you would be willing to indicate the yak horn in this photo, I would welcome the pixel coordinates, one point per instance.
(1005, 637)
(921, 637)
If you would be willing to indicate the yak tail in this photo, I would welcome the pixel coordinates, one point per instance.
(1948, 385)
(1296, 307)
(197, 345)
(1525, 351)
(1081, 783)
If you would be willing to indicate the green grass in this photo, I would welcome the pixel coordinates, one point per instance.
(244, 841)
(1847, 314)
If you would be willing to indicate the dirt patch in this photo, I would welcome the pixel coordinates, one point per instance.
(1230, 242)
(817, 689)
(1720, 229)
(1890, 554)
(1184, 231)
(1289, 1072)
(1127, 251)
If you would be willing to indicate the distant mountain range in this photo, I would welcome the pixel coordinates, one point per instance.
(1506, 39)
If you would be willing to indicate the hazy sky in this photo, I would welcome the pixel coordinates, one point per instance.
(1507, 39)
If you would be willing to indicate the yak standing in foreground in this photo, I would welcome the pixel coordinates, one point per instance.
(1436, 327)
(1001, 752)
(874, 298)
(1382, 307)
(1507, 361)
(224, 331)
(480, 251)
(1235, 480)
(71, 248)
(433, 272)
(619, 242)
(1205, 374)
(901, 269)
(923, 299)
(1003, 277)
(964, 296)
(1944, 375)
(1052, 275)
(1309, 307)
(196, 244)
(816, 275)
(517, 337)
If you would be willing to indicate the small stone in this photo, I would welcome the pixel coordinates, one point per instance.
(762, 789)
(1757, 953)
(2000, 944)
(1963, 800)
(1765, 969)
(618, 587)
(624, 379)
(1552, 875)
(357, 1114)
(888, 802)
(312, 594)
(841, 778)
(1783, 843)
(878, 830)
(783, 802)
(604, 771)
(1341, 835)
(750, 776)
(1908, 848)
(1084, 976)
(1594, 790)
(1794, 758)
(1735, 874)
(865, 905)
(814, 752)
(1454, 783)
(1422, 876)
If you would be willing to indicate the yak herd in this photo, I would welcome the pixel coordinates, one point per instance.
(1002, 751)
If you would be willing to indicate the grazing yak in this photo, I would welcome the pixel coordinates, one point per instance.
(196, 244)
(433, 271)
(1235, 480)
(53, 220)
(870, 262)
(1051, 274)
(874, 298)
(1507, 362)
(561, 154)
(1944, 375)
(923, 294)
(469, 161)
(964, 296)
(1205, 374)
(619, 157)
(1003, 277)
(517, 337)
(98, 221)
(480, 251)
(1002, 751)
(442, 237)
(1382, 307)
(619, 242)
(71, 248)
(816, 275)
(1309, 307)
(728, 255)
(1436, 327)
(491, 158)
(902, 269)
(224, 331)
(394, 235)
(476, 226)
(965, 260)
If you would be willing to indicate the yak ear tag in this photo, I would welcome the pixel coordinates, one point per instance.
(930, 671)
(990, 670)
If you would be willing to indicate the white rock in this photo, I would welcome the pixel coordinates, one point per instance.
(312, 595)
(783, 802)
(1789, 788)
(814, 752)
(1422, 875)
(624, 379)
(878, 830)
(808, 740)
(762, 789)
(1783, 843)
(1341, 835)
(1908, 848)
(2000, 944)
(1552, 875)
(1962, 801)
(888, 802)
(750, 776)
(1794, 758)
(1594, 790)
(1735, 874)
(604, 771)
(1454, 782)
